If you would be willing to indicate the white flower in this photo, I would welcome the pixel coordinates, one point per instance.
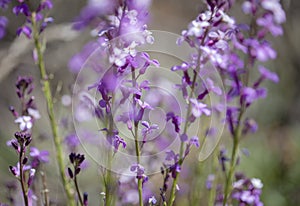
(66, 100)
(132, 16)
(34, 113)
(118, 57)
(275, 7)
(24, 122)
(257, 183)
(197, 28)
(131, 49)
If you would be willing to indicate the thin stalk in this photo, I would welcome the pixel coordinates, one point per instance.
(234, 155)
(188, 113)
(137, 146)
(77, 190)
(24, 191)
(45, 189)
(108, 179)
(173, 190)
(108, 186)
(49, 101)
(212, 193)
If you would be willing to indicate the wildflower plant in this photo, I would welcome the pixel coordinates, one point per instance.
(135, 116)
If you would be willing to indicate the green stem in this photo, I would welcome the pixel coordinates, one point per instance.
(49, 101)
(212, 192)
(234, 155)
(137, 146)
(108, 184)
(188, 113)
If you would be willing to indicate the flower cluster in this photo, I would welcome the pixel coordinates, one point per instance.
(27, 166)
(29, 114)
(233, 49)
(33, 16)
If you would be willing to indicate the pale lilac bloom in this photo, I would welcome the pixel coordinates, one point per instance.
(275, 7)
(267, 23)
(41, 156)
(34, 113)
(199, 108)
(268, 74)
(250, 94)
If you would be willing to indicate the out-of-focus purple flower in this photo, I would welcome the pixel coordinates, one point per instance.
(266, 74)
(38, 156)
(261, 50)
(250, 95)
(31, 177)
(275, 7)
(250, 126)
(26, 30)
(4, 3)
(209, 181)
(199, 108)
(72, 142)
(247, 191)
(22, 9)
(267, 23)
(3, 24)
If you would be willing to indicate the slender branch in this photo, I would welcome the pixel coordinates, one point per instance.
(45, 189)
(24, 191)
(77, 190)
(186, 126)
(137, 146)
(49, 100)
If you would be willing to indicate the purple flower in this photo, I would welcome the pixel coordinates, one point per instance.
(261, 50)
(199, 108)
(38, 156)
(148, 129)
(4, 3)
(26, 30)
(250, 95)
(15, 170)
(22, 9)
(275, 7)
(117, 140)
(3, 24)
(176, 120)
(209, 181)
(250, 126)
(194, 141)
(72, 142)
(267, 23)
(266, 74)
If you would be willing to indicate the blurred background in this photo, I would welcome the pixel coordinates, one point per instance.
(274, 150)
